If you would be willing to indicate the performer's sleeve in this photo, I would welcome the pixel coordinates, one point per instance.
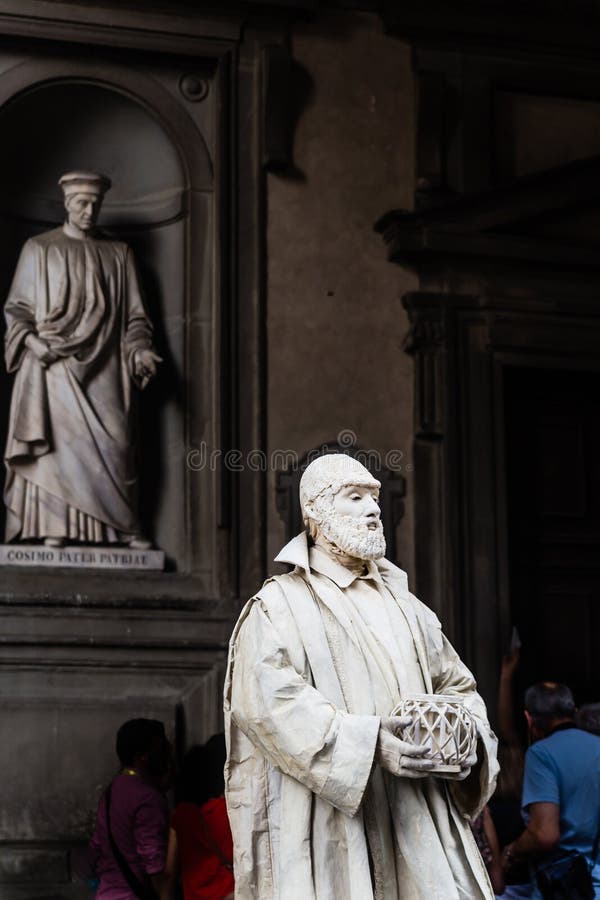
(137, 333)
(19, 310)
(292, 724)
(451, 676)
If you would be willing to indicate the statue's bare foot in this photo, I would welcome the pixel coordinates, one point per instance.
(54, 542)
(138, 542)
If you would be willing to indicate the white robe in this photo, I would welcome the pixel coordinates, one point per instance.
(317, 657)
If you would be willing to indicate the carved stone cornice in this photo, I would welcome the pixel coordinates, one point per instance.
(179, 26)
(500, 224)
(123, 26)
(134, 21)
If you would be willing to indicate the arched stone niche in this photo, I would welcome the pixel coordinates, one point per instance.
(161, 204)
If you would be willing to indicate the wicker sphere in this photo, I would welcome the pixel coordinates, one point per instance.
(442, 724)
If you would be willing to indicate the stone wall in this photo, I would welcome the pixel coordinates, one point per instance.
(335, 321)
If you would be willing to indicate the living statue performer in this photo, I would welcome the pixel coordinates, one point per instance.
(78, 336)
(326, 799)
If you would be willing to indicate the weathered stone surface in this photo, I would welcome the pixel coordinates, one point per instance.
(332, 298)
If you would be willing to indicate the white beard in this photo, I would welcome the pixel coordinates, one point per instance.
(353, 537)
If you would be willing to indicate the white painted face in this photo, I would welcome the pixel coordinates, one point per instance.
(351, 521)
(83, 210)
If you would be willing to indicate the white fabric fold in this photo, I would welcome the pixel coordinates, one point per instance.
(316, 658)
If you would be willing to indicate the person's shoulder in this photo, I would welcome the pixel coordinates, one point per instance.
(389, 569)
(39, 241)
(274, 596)
(275, 589)
(558, 749)
(395, 577)
(268, 596)
(397, 580)
(582, 740)
(540, 751)
(139, 790)
(589, 736)
(542, 760)
(570, 736)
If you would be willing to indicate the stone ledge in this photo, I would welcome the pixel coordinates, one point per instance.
(81, 557)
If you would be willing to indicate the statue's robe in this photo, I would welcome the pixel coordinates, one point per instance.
(317, 657)
(69, 453)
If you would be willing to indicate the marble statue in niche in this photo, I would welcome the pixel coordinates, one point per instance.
(79, 341)
(328, 794)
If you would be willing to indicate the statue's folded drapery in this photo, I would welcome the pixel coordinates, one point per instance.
(70, 469)
(317, 657)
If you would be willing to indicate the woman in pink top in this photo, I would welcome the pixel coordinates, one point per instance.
(129, 858)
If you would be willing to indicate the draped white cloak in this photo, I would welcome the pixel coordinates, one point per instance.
(312, 817)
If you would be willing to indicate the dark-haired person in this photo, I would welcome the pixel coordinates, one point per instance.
(561, 788)
(200, 843)
(587, 718)
(130, 857)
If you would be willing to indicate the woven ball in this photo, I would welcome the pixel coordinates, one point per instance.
(442, 724)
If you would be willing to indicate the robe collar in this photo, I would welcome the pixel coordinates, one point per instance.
(298, 553)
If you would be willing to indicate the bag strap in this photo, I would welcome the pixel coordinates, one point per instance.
(140, 890)
(212, 844)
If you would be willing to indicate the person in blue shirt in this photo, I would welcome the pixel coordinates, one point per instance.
(561, 786)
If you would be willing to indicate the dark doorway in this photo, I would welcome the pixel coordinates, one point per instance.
(553, 491)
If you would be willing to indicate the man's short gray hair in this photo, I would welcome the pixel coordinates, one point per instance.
(548, 701)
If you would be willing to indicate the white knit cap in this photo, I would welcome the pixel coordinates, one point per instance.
(333, 471)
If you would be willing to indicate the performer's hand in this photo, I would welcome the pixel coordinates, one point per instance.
(467, 766)
(465, 770)
(398, 756)
(40, 349)
(145, 364)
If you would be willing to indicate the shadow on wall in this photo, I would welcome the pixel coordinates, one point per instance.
(288, 89)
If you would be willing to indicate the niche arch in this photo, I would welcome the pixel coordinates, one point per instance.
(36, 74)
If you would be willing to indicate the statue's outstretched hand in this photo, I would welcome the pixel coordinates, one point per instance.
(145, 364)
(398, 756)
(40, 349)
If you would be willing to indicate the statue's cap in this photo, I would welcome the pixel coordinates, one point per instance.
(333, 471)
(84, 183)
